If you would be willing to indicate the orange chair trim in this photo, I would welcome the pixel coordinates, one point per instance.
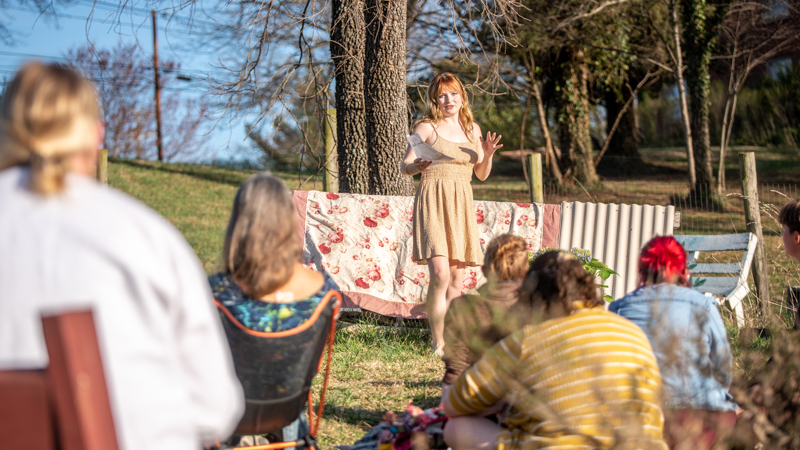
(276, 334)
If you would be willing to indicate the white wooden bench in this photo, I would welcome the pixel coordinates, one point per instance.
(730, 282)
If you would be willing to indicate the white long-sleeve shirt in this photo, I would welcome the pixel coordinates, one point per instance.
(167, 363)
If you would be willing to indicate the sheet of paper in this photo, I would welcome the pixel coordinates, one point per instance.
(425, 151)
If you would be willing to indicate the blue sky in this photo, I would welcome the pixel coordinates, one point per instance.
(43, 38)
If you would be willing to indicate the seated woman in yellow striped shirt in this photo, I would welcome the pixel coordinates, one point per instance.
(580, 377)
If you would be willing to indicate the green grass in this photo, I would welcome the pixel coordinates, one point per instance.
(375, 368)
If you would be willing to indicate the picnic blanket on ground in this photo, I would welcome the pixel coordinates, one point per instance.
(400, 431)
(364, 243)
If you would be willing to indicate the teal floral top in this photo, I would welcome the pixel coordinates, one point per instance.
(264, 316)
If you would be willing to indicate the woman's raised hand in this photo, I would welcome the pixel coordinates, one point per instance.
(490, 143)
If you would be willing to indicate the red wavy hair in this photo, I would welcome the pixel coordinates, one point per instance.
(663, 259)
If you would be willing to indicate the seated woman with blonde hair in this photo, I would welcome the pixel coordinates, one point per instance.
(69, 242)
(476, 322)
(577, 377)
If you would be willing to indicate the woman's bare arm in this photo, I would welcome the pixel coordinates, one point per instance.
(412, 165)
(489, 145)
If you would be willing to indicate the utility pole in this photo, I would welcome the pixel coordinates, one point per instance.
(158, 89)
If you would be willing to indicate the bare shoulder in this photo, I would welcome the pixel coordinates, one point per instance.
(304, 282)
(425, 130)
(312, 277)
(476, 131)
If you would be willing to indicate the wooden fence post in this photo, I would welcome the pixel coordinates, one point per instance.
(102, 166)
(752, 214)
(330, 177)
(535, 178)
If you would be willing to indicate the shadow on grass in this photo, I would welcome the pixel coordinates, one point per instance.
(371, 417)
(409, 384)
(353, 415)
(216, 174)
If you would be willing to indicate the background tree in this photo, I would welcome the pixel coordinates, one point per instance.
(124, 79)
(348, 37)
(569, 54)
(753, 32)
(702, 22)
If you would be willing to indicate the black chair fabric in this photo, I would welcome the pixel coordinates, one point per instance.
(276, 372)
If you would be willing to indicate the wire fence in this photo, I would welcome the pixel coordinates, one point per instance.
(698, 215)
(200, 209)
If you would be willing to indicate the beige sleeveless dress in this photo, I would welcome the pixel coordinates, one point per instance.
(444, 211)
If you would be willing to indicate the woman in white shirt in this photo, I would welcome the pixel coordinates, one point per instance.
(69, 243)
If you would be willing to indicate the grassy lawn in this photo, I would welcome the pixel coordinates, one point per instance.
(381, 368)
(376, 369)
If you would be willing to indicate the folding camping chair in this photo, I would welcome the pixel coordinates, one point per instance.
(276, 371)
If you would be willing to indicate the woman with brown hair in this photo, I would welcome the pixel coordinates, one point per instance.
(581, 377)
(70, 243)
(476, 322)
(445, 235)
(263, 284)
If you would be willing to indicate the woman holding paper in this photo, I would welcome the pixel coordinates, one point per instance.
(445, 235)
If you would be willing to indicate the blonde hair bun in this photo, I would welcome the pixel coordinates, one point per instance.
(506, 258)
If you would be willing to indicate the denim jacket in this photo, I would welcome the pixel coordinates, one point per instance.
(690, 342)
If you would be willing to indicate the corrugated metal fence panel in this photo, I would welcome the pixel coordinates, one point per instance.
(615, 235)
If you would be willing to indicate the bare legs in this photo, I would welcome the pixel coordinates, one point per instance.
(447, 280)
(471, 433)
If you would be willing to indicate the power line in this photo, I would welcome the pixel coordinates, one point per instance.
(107, 21)
(166, 69)
(166, 13)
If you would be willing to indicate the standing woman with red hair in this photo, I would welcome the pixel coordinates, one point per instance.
(690, 342)
(445, 235)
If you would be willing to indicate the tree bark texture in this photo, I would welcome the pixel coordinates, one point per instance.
(623, 155)
(385, 96)
(701, 28)
(687, 124)
(348, 35)
(575, 98)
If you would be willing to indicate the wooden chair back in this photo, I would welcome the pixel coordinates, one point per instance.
(65, 406)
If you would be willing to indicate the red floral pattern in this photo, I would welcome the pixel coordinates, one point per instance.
(364, 241)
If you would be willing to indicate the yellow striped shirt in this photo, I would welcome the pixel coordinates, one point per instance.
(588, 380)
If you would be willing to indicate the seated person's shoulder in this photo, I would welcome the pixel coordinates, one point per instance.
(288, 307)
(467, 308)
(306, 283)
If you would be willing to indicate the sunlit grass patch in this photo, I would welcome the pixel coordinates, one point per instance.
(376, 369)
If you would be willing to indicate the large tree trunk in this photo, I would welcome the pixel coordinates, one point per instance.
(385, 96)
(622, 157)
(347, 51)
(575, 98)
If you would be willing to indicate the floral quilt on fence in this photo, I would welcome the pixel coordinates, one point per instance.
(364, 243)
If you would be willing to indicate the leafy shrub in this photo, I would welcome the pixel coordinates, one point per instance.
(592, 266)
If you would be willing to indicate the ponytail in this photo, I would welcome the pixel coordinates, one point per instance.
(47, 114)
